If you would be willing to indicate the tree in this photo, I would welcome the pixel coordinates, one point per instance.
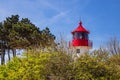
(22, 34)
(113, 46)
(47, 38)
(8, 27)
(3, 43)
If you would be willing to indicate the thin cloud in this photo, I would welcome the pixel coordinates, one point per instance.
(59, 16)
(55, 19)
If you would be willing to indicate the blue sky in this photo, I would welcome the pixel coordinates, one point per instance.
(100, 17)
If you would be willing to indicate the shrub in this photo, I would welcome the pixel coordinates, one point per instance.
(60, 66)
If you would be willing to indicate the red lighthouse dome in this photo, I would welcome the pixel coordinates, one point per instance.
(80, 37)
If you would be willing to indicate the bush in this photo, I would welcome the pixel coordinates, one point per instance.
(60, 66)
(91, 68)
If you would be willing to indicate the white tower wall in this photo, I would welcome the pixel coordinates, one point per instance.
(79, 50)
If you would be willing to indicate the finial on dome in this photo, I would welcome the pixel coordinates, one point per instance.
(80, 23)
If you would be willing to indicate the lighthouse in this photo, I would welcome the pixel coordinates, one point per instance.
(80, 43)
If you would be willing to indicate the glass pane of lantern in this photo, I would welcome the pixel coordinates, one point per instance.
(81, 36)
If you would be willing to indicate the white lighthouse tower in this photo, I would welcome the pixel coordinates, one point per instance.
(80, 43)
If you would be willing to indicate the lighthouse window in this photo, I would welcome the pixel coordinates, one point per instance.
(77, 50)
(76, 35)
(86, 35)
(80, 36)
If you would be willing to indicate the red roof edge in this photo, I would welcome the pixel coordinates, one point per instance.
(80, 28)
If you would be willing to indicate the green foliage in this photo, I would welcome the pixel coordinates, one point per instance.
(22, 34)
(31, 68)
(60, 66)
(92, 68)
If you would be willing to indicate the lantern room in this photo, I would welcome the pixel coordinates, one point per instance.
(80, 37)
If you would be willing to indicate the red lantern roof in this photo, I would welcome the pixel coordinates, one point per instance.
(80, 28)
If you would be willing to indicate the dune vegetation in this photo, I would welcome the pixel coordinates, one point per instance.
(97, 65)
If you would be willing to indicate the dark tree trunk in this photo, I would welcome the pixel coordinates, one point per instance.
(14, 52)
(9, 54)
(2, 52)
(2, 56)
